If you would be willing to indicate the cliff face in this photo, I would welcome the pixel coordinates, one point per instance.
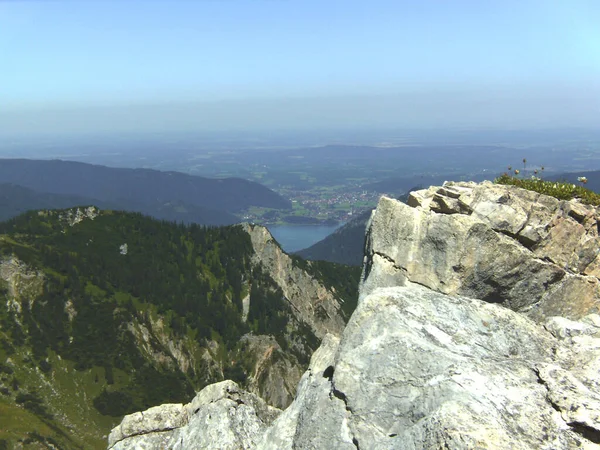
(422, 365)
(314, 310)
(416, 369)
(524, 250)
(311, 301)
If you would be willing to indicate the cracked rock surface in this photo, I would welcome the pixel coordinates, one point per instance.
(221, 416)
(527, 251)
(417, 369)
(414, 369)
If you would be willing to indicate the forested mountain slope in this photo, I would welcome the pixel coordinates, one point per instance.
(104, 313)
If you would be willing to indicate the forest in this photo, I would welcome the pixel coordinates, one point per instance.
(95, 278)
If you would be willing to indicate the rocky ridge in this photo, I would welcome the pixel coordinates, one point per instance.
(221, 412)
(527, 251)
(422, 364)
(311, 301)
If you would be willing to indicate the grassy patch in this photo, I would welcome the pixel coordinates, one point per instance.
(558, 189)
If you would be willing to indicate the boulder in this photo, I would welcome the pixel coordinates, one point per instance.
(418, 369)
(527, 251)
(221, 416)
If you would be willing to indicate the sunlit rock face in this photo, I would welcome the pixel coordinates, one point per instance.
(416, 369)
(527, 251)
(220, 416)
(312, 302)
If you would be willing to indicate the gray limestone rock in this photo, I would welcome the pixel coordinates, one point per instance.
(221, 416)
(416, 369)
(527, 251)
(315, 408)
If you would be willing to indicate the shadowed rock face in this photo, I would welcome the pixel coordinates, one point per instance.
(527, 251)
(305, 294)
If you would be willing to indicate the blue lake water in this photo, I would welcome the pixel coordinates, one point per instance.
(296, 237)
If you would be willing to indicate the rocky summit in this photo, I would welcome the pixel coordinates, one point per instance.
(423, 363)
(529, 252)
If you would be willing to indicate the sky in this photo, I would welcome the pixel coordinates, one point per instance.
(121, 65)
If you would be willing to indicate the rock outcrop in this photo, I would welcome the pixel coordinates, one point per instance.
(524, 250)
(220, 416)
(311, 301)
(416, 369)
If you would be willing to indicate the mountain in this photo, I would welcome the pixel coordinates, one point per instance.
(422, 362)
(139, 186)
(15, 200)
(104, 313)
(344, 246)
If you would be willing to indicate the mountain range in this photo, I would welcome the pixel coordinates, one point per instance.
(165, 195)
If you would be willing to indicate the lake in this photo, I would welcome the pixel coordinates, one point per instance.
(296, 237)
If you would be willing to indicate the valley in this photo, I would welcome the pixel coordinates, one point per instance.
(325, 184)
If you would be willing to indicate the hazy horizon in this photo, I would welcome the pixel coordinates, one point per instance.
(137, 66)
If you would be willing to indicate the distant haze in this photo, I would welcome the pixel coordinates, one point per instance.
(508, 109)
(97, 66)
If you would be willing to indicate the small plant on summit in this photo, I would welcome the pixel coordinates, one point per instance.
(561, 190)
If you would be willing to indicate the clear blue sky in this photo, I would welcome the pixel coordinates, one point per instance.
(201, 63)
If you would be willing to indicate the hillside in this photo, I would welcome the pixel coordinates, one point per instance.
(344, 246)
(105, 313)
(15, 200)
(140, 186)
